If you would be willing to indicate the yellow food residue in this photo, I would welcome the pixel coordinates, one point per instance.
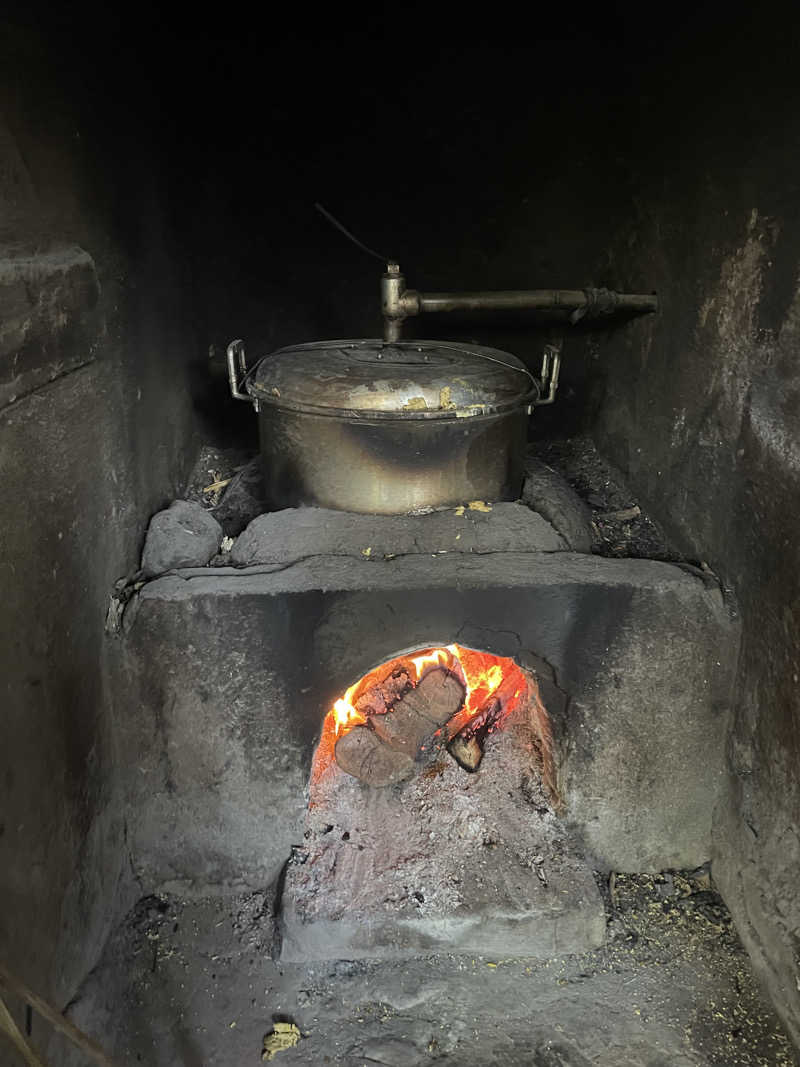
(281, 1037)
(479, 505)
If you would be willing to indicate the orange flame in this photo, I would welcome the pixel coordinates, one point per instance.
(344, 713)
(481, 673)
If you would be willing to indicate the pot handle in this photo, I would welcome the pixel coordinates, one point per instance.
(237, 370)
(551, 366)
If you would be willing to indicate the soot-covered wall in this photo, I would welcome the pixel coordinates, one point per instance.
(700, 407)
(479, 162)
(95, 433)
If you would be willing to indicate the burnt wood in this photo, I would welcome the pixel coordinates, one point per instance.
(361, 752)
(385, 749)
(420, 712)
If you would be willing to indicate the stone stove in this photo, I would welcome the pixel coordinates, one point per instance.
(231, 670)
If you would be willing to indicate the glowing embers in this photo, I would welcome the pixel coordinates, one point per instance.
(407, 712)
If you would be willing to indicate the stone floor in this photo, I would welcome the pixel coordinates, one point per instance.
(193, 983)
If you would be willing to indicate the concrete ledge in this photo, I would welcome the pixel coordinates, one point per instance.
(504, 569)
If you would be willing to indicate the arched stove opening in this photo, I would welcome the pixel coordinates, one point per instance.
(416, 709)
(432, 820)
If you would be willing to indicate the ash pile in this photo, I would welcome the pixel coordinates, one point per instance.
(426, 834)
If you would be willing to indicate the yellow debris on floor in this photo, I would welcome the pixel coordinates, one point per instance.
(280, 1037)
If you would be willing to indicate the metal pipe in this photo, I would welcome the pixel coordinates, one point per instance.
(399, 303)
(524, 299)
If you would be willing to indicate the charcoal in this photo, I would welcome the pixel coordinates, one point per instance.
(243, 499)
(466, 751)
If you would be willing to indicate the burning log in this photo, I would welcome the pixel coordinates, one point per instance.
(380, 698)
(460, 697)
(421, 712)
(384, 750)
(361, 752)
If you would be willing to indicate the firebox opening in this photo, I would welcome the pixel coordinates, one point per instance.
(423, 707)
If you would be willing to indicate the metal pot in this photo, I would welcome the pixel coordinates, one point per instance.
(387, 428)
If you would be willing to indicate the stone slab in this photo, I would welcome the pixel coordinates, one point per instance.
(182, 535)
(297, 533)
(555, 500)
(518, 916)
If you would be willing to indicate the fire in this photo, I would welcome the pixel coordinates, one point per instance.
(344, 713)
(437, 657)
(498, 694)
(483, 675)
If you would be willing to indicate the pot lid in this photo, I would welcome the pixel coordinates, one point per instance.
(377, 379)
